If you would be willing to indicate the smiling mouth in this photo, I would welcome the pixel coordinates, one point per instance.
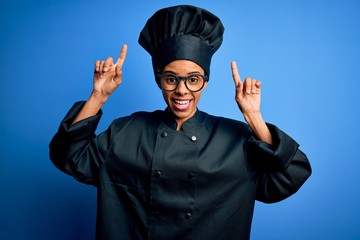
(182, 102)
(182, 105)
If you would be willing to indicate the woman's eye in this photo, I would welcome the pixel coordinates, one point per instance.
(193, 80)
(171, 79)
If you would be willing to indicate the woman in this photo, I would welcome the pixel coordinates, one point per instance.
(179, 173)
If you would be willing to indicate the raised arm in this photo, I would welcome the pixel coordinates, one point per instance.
(107, 77)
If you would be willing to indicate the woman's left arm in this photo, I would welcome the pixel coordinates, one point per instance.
(248, 98)
(281, 167)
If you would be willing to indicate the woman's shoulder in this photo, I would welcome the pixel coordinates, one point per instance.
(139, 118)
(221, 120)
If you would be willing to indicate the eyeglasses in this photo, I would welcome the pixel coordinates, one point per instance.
(194, 82)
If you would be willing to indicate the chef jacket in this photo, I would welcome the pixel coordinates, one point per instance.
(154, 182)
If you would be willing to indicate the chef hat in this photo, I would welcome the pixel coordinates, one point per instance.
(182, 33)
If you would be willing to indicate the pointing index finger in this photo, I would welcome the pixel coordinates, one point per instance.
(122, 56)
(235, 73)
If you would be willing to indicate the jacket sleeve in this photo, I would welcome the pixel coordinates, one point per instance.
(280, 169)
(74, 148)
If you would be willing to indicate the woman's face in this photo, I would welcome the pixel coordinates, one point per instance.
(182, 102)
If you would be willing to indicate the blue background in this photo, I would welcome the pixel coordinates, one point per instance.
(306, 53)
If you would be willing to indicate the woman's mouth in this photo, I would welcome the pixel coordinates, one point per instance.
(181, 105)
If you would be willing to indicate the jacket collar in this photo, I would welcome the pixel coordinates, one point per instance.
(190, 123)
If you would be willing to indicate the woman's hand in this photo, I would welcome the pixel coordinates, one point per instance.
(108, 76)
(248, 98)
(248, 94)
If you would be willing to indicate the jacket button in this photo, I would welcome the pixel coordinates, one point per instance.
(157, 173)
(164, 134)
(187, 215)
(193, 138)
(190, 176)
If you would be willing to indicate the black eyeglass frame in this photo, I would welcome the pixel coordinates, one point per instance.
(179, 78)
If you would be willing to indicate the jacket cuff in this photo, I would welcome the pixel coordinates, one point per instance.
(83, 129)
(276, 156)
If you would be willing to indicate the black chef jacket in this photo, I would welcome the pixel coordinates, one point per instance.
(154, 182)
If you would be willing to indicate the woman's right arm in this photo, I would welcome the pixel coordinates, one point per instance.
(75, 149)
(107, 77)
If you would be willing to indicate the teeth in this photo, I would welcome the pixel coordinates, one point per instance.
(183, 102)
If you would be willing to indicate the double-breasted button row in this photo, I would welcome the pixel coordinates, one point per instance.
(165, 134)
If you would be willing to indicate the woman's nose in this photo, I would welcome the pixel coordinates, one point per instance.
(181, 88)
